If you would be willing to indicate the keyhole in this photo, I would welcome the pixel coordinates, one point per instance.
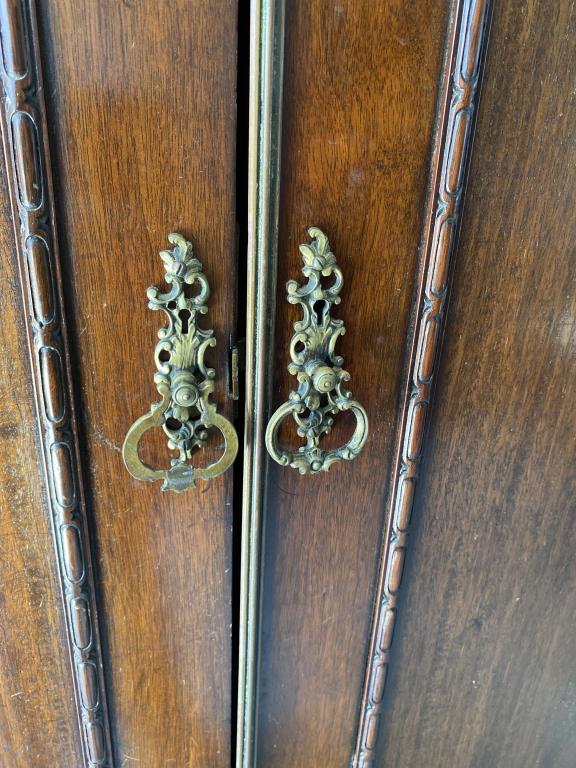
(318, 308)
(184, 315)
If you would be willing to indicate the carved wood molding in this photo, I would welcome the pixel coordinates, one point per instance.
(24, 133)
(449, 162)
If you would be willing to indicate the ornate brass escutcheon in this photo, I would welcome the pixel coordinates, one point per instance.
(182, 379)
(320, 394)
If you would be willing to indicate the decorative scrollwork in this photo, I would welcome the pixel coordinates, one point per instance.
(321, 393)
(182, 378)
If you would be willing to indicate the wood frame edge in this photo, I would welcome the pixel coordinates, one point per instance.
(28, 167)
(457, 110)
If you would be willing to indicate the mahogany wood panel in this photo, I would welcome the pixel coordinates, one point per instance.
(454, 134)
(482, 669)
(359, 104)
(38, 721)
(142, 109)
(25, 140)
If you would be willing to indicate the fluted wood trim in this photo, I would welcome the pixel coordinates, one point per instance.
(25, 140)
(449, 164)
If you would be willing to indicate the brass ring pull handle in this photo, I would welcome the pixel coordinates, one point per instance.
(320, 394)
(182, 378)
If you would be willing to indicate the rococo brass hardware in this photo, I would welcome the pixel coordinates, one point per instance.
(318, 368)
(185, 383)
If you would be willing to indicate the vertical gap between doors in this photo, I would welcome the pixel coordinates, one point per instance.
(242, 110)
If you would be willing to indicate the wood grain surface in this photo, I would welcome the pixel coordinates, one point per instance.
(38, 722)
(142, 108)
(459, 91)
(29, 175)
(142, 111)
(482, 669)
(359, 103)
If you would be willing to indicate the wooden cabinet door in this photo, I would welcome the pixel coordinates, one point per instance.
(471, 663)
(119, 128)
(359, 108)
(414, 604)
(482, 671)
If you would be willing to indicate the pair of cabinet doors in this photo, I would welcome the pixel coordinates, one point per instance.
(248, 619)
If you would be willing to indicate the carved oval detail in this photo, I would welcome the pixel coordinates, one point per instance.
(441, 255)
(14, 47)
(415, 431)
(428, 343)
(472, 47)
(396, 568)
(52, 384)
(80, 621)
(378, 683)
(95, 742)
(457, 144)
(387, 629)
(72, 552)
(404, 504)
(40, 277)
(27, 160)
(63, 474)
(372, 730)
(88, 684)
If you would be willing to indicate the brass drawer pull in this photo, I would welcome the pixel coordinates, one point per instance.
(320, 394)
(185, 383)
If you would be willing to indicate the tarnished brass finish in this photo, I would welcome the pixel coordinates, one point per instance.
(320, 393)
(185, 383)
